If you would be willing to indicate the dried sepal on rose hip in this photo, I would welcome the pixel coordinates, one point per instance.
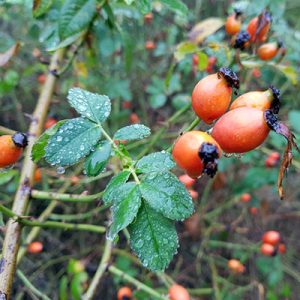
(11, 148)
(197, 152)
(241, 40)
(212, 94)
(280, 128)
(259, 27)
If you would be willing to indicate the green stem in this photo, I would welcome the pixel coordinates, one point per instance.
(214, 273)
(100, 271)
(4, 130)
(51, 224)
(231, 246)
(135, 282)
(30, 286)
(160, 132)
(35, 194)
(193, 125)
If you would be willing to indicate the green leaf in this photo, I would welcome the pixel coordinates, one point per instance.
(7, 176)
(153, 238)
(129, 2)
(63, 288)
(203, 61)
(1, 219)
(74, 140)
(294, 119)
(166, 194)
(156, 162)
(125, 208)
(77, 285)
(97, 160)
(290, 72)
(132, 132)
(38, 149)
(144, 6)
(158, 100)
(40, 7)
(66, 42)
(75, 16)
(117, 181)
(92, 106)
(176, 5)
(183, 49)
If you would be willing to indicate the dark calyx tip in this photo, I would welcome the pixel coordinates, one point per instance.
(126, 298)
(241, 39)
(268, 16)
(238, 12)
(209, 155)
(230, 77)
(276, 100)
(20, 139)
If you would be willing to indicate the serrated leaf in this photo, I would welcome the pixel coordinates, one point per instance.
(117, 181)
(176, 5)
(153, 238)
(166, 194)
(73, 141)
(156, 162)
(75, 16)
(183, 49)
(97, 160)
(7, 176)
(38, 149)
(124, 208)
(7, 55)
(92, 106)
(204, 29)
(40, 7)
(132, 132)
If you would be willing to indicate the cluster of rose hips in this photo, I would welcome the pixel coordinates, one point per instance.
(176, 292)
(149, 44)
(256, 33)
(242, 128)
(272, 243)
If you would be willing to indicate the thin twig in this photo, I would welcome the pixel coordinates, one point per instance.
(13, 232)
(23, 220)
(35, 194)
(30, 286)
(138, 284)
(100, 271)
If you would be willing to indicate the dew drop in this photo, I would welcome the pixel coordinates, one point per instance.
(60, 170)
